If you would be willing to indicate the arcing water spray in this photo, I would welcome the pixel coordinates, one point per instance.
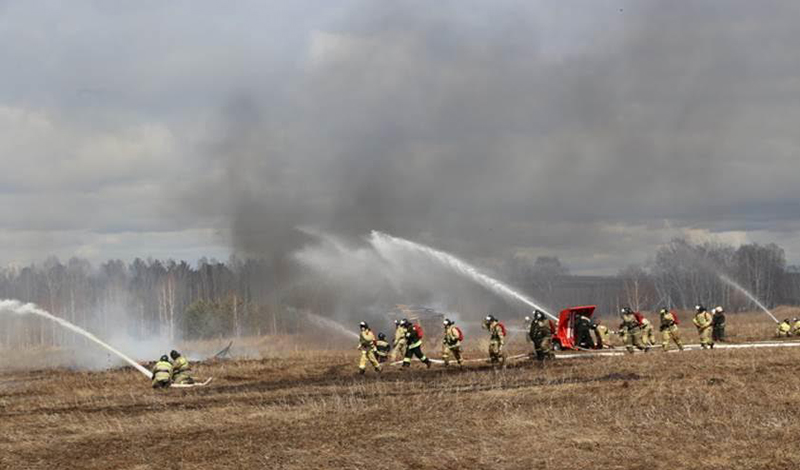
(328, 323)
(17, 307)
(750, 296)
(384, 243)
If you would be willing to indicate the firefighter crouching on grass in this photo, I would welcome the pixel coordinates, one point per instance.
(162, 373)
(366, 344)
(399, 346)
(603, 335)
(784, 329)
(180, 369)
(451, 342)
(497, 338)
(413, 337)
(382, 348)
(795, 327)
(669, 330)
(702, 321)
(631, 331)
(541, 335)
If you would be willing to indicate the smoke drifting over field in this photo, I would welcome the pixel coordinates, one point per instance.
(489, 129)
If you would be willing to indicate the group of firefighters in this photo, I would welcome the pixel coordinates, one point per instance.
(171, 370)
(788, 328)
(635, 331)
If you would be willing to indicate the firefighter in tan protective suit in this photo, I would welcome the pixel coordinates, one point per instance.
(540, 333)
(497, 339)
(162, 373)
(451, 342)
(382, 348)
(703, 321)
(784, 329)
(648, 334)
(631, 331)
(181, 372)
(795, 327)
(603, 335)
(399, 344)
(367, 346)
(669, 330)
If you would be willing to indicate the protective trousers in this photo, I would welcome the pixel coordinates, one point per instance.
(668, 334)
(447, 350)
(415, 350)
(496, 352)
(705, 337)
(543, 347)
(368, 355)
(399, 349)
(633, 338)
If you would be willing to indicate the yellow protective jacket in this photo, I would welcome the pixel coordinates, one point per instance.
(629, 322)
(162, 372)
(496, 333)
(366, 340)
(382, 348)
(451, 337)
(646, 325)
(180, 365)
(796, 327)
(784, 327)
(667, 321)
(702, 320)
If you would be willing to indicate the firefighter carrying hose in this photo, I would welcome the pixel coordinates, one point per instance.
(631, 330)
(413, 336)
(162, 373)
(540, 333)
(669, 329)
(603, 335)
(451, 342)
(497, 338)
(702, 321)
(784, 329)
(366, 344)
(648, 335)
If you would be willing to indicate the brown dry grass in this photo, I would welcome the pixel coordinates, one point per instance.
(721, 409)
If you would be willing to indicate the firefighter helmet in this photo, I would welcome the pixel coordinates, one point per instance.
(174, 354)
(363, 325)
(699, 308)
(381, 336)
(164, 358)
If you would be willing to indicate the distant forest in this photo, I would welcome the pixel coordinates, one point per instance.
(173, 299)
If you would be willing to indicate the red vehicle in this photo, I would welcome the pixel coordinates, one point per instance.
(564, 337)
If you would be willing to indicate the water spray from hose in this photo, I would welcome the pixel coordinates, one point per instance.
(384, 243)
(17, 307)
(750, 296)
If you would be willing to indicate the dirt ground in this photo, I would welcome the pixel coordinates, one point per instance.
(720, 409)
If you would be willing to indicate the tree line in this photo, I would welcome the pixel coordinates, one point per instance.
(177, 300)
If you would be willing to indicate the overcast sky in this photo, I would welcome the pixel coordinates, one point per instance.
(593, 131)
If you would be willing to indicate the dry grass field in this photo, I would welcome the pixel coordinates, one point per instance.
(720, 409)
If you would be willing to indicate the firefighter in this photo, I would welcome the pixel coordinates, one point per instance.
(413, 345)
(451, 342)
(583, 335)
(162, 373)
(180, 369)
(603, 335)
(631, 331)
(784, 329)
(718, 324)
(669, 330)
(795, 327)
(399, 346)
(382, 348)
(541, 335)
(702, 321)
(366, 344)
(497, 338)
(648, 335)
